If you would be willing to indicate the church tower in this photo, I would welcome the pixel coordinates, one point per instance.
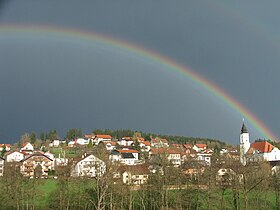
(244, 143)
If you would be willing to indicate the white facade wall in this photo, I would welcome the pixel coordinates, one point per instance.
(1, 166)
(28, 146)
(90, 166)
(82, 141)
(274, 155)
(14, 157)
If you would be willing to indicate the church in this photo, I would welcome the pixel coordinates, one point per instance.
(257, 151)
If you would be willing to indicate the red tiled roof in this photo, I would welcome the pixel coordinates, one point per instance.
(103, 136)
(141, 139)
(26, 144)
(147, 143)
(113, 143)
(136, 169)
(201, 145)
(127, 151)
(188, 146)
(262, 146)
(7, 145)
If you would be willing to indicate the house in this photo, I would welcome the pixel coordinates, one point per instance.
(7, 147)
(88, 165)
(205, 156)
(159, 142)
(125, 156)
(110, 145)
(102, 138)
(27, 148)
(2, 161)
(174, 156)
(57, 143)
(126, 141)
(145, 146)
(71, 143)
(199, 147)
(81, 141)
(36, 165)
(89, 136)
(262, 150)
(14, 156)
(135, 175)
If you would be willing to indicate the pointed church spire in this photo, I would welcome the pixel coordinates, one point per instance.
(244, 129)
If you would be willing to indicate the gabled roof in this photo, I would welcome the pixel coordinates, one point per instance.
(7, 145)
(262, 146)
(128, 138)
(135, 169)
(103, 136)
(26, 144)
(188, 146)
(36, 155)
(201, 145)
(113, 143)
(127, 151)
(147, 143)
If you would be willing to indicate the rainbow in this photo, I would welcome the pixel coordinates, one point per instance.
(150, 55)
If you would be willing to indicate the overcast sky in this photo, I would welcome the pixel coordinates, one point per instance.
(48, 82)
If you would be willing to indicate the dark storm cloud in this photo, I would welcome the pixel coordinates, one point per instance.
(91, 92)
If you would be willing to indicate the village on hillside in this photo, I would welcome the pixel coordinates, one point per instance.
(135, 157)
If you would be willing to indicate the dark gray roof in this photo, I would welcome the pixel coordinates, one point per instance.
(244, 129)
(127, 155)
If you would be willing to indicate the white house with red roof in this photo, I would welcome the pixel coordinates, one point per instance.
(110, 145)
(27, 148)
(200, 147)
(145, 146)
(88, 165)
(159, 142)
(135, 174)
(14, 156)
(126, 141)
(102, 138)
(7, 147)
(263, 150)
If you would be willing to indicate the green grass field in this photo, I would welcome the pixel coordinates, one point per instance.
(45, 188)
